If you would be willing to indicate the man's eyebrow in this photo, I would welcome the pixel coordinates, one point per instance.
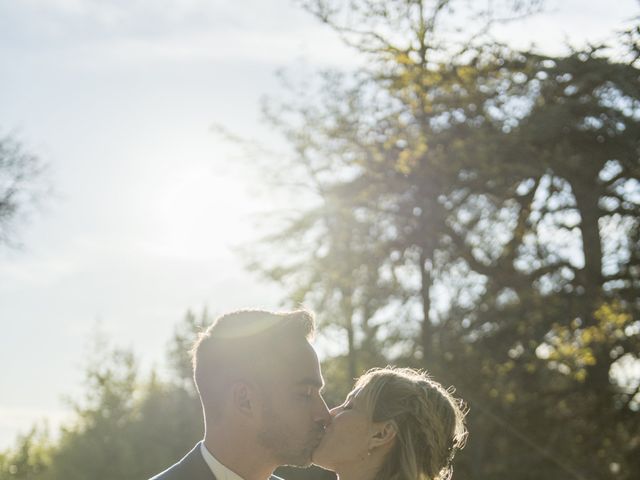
(312, 382)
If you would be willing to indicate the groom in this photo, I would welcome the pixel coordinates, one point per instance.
(259, 383)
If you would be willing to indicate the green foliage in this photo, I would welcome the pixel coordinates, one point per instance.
(125, 427)
(477, 217)
(179, 354)
(29, 459)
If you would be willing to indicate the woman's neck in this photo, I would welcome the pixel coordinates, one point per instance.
(363, 470)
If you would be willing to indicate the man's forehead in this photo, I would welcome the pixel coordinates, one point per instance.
(299, 365)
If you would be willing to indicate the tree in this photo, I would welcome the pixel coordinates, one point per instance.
(124, 427)
(30, 458)
(21, 186)
(509, 177)
(372, 135)
(179, 352)
(576, 250)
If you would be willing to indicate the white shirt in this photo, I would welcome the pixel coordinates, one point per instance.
(219, 470)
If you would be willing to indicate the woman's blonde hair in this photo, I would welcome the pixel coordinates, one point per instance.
(429, 422)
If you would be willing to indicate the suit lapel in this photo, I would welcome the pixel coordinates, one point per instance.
(197, 468)
(195, 465)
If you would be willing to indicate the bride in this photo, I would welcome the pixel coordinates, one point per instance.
(396, 424)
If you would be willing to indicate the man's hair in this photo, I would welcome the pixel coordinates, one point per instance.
(238, 346)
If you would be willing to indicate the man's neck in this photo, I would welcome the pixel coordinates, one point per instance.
(239, 457)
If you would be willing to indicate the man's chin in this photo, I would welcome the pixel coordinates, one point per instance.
(318, 461)
(301, 461)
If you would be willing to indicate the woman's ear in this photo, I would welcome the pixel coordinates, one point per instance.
(382, 434)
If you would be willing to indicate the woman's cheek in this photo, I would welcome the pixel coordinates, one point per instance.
(340, 433)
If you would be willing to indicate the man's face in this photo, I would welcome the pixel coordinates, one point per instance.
(294, 414)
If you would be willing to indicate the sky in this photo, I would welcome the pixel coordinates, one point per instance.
(149, 205)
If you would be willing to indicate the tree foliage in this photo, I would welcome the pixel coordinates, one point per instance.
(21, 185)
(125, 427)
(477, 216)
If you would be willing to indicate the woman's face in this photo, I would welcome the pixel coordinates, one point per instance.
(346, 439)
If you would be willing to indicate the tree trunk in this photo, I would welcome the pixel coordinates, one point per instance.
(587, 203)
(347, 311)
(425, 287)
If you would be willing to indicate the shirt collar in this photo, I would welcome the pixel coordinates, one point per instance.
(219, 470)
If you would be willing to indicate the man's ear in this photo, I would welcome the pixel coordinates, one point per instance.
(244, 399)
(382, 434)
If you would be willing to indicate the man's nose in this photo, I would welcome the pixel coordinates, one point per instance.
(324, 415)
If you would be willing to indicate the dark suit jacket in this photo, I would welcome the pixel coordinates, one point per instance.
(191, 467)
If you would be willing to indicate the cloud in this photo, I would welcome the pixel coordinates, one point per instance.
(92, 19)
(228, 46)
(103, 34)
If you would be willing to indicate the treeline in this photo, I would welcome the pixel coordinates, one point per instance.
(126, 426)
